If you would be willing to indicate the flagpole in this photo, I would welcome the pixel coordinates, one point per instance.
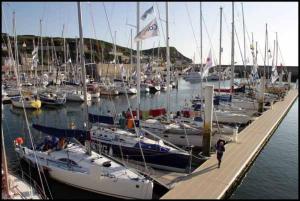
(138, 71)
(168, 64)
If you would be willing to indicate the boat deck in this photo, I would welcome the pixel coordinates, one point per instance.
(210, 182)
(163, 177)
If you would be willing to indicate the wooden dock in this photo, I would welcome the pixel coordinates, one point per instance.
(210, 182)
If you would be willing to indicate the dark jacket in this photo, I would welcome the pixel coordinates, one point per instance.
(220, 148)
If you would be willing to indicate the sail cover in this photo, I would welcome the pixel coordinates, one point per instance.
(101, 119)
(58, 132)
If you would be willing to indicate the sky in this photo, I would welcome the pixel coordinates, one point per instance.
(184, 25)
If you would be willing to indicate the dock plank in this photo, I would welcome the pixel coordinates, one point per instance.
(210, 182)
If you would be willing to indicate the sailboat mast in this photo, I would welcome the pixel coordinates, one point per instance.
(244, 42)
(252, 49)
(268, 56)
(42, 53)
(115, 55)
(88, 147)
(35, 69)
(201, 61)
(16, 51)
(273, 59)
(277, 52)
(64, 41)
(131, 62)
(4, 162)
(168, 63)
(232, 51)
(265, 51)
(138, 70)
(220, 53)
(48, 56)
(91, 56)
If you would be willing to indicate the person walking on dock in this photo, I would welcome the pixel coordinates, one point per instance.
(220, 148)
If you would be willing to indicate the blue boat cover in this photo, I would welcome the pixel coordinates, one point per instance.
(58, 132)
(93, 118)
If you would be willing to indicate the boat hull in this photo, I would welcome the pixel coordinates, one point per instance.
(31, 104)
(95, 179)
(161, 160)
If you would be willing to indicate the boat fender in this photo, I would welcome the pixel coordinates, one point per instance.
(19, 141)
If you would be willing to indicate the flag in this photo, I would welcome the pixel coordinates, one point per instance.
(35, 56)
(208, 64)
(35, 50)
(123, 72)
(254, 72)
(147, 12)
(134, 76)
(274, 75)
(149, 31)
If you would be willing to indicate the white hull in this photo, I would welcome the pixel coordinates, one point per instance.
(28, 104)
(245, 104)
(186, 140)
(114, 180)
(193, 76)
(127, 90)
(229, 117)
(77, 97)
(95, 95)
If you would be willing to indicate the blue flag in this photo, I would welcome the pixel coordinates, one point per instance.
(147, 12)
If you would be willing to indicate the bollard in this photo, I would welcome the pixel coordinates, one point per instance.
(235, 133)
(296, 84)
(280, 79)
(289, 80)
(261, 95)
(208, 112)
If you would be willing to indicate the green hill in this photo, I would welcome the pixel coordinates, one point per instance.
(101, 50)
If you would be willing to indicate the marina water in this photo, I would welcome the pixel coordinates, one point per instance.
(274, 174)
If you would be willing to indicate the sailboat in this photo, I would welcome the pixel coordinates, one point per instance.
(27, 101)
(78, 166)
(49, 97)
(97, 173)
(156, 153)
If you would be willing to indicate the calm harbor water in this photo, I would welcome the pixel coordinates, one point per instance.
(275, 172)
(280, 156)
